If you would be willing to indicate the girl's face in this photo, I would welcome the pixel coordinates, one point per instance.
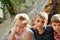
(19, 27)
(56, 27)
(39, 21)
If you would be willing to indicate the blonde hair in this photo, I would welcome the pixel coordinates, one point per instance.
(55, 18)
(46, 17)
(44, 14)
(24, 18)
(40, 15)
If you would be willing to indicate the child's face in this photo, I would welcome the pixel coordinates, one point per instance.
(39, 21)
(56, 27)
(19, 27)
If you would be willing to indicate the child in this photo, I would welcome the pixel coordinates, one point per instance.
(39, 31)
(55, 23)
(21, 29)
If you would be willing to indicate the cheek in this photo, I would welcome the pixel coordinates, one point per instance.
(24, 29)
(56, 29)
(43, 24)
(53, 26)
(17, 29)
(40, 24)
(59, 28)
(34, 22)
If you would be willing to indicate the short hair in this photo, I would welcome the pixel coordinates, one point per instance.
(23, 17)
(55, 18)
(40, 15)
(44, 14)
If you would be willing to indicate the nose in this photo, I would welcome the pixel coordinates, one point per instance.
(18, 28)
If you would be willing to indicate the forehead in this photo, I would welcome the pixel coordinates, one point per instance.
(56, 23)
(17, 21)
(39, 18)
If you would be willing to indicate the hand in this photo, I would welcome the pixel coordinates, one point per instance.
(13, 30)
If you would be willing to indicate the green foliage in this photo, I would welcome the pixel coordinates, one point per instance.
(10, 8)
(25, 6)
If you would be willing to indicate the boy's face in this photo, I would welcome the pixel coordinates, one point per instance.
(19, 27)
(39, 21)
(56, 27)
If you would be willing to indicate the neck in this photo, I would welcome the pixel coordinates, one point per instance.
(40, 30)
(19, 34)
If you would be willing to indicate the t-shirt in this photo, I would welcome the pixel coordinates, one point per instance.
(46, 35)
(22, 37)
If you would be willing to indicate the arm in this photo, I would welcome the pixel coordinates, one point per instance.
(12, 35)
(28, 36)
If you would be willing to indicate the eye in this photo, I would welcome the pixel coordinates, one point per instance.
(59, 25)
(21, 27)
(42, 21)
(16, 25)
(54, 25)
(38, 20)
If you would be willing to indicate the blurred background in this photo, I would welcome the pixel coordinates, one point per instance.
(9, 8)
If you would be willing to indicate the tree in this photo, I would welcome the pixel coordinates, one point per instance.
(9, 6)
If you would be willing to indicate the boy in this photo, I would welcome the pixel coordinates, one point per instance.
(40, 33)
(55, 24)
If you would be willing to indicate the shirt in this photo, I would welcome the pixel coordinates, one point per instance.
(46, 35)
(56, 36)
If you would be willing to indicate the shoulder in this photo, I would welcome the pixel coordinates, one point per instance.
(28, 35)
(35, 31)
(29, 31)
(49, 29)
